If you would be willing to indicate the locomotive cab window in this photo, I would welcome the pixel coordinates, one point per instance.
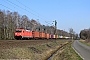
(18, 30)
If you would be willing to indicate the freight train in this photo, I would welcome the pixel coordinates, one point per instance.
(21, 33)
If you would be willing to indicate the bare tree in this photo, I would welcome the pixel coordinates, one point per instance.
(24, 20)
(1, 25)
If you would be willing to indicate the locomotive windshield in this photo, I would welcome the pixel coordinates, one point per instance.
(18, 30)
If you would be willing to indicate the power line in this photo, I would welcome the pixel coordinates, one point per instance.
(9, 3)
(25, 5)
(6, 7)
(32, 10)
(19, 7)
(24, 9)
(29, 8)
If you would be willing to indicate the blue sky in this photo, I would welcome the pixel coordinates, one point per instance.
(68, 13)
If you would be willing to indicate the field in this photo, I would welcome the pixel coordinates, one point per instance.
(29, 49)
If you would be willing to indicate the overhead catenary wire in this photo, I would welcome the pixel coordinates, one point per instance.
(13, 6)
(25, 9)
(25, 5)
(6, 7)
(9, 4)
(19, 6)
(31, 9)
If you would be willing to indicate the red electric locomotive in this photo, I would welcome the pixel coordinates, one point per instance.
(20, 33)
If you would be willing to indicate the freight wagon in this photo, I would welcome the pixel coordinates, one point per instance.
(35, 34)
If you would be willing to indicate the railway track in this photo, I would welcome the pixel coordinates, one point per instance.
(7, 44)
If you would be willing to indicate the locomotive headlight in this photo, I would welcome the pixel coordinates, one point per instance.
(15, 33)
(20, 33)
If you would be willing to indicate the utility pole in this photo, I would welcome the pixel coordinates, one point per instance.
(55, 27)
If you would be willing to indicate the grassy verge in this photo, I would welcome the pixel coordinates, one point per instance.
(84, 42)
(38, 52)
(67, 53)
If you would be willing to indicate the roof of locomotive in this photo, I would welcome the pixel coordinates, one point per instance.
(22, 29)
(19, 28)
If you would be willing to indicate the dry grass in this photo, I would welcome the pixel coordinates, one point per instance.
(33, 52)
(67, 53)
(85, 42)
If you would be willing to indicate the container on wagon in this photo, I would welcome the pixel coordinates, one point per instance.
(47, 36)
(61, 37)
(52, 36)
(42, 35)
(35, 34)
(57, 36)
